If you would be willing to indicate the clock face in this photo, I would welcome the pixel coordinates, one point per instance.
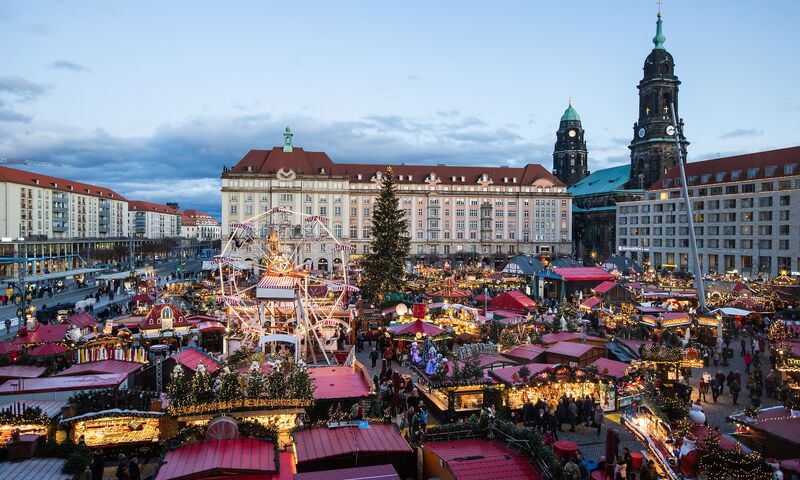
(642, 131)
(572, 133)
(670, 130)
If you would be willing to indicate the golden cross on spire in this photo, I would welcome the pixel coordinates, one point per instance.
(660, 4)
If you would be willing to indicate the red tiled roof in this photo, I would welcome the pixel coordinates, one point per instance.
(482, 459)
(211, 458)
(51, 384)
(605, 287)
(22, 371)
(583, 274)
(142, 206)
(570, 349)
(190, 357)
(760, 160)
(265, 162)
(194, 218)
(526, 352)
(81, 320)
(103, 366)
(377, 472)
(22, 177)
(338, 382)
(321, 443)
(611, 368)
(43, 334)
(153, 318)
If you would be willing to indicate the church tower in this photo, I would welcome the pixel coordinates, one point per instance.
(569, 155)
(653, 145)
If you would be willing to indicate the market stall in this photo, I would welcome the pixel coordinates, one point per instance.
(114, 428)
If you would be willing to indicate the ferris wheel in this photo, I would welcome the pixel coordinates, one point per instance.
(268, 288)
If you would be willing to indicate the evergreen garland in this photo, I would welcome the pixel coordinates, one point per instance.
(384, 267)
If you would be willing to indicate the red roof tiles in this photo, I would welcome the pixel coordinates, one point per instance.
(726, 165)
(33, 179)
(481, 459)
(142, 206)
(238, 456)
(265, 162)
(321, 443)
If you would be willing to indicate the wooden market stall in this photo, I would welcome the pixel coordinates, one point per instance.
(114, 428)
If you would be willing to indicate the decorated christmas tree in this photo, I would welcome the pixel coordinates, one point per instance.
(384, 267)
(256, 382)
(228, 387)
(779, 338)
(180, 388)
(202, 385)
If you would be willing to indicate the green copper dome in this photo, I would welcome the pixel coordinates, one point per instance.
(570, 114)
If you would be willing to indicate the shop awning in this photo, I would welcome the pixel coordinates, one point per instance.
(417, 326)
(591, 302)
(211, 326)
(605, 287)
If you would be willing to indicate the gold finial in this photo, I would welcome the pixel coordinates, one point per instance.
(660, 4)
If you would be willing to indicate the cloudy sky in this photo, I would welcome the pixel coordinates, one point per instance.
(152, 98)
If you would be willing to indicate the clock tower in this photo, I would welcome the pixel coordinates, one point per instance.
(653, 145)
(569, 155)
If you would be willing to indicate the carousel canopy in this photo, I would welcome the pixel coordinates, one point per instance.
(47, 350)
(449, 289)
(417, 326)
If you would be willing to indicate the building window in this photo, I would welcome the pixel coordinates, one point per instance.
(353, 231)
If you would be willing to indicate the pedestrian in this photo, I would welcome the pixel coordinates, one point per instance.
(98, 466)
(553, 425)
(388, 354)
(8, 325)
(735, 389)
(133, 469)
(748, 359)
(742, 343)
(648, 471)
(626, 457)
(717, 357)
(702, 389)
(373, 356)
(599, 419)
(573, 414)
(588, 410)
(571, 470)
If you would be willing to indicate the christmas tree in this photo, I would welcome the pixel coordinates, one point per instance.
(202, 385)
(779, 338)
(229, 388)
(384, 267)
(256, 382)
(179, 388)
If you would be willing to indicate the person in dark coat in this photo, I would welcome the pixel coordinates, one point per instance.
(561, 413)
(553, 425)
(133, 469)
(98, 466)
(588, 411)
(527, 412)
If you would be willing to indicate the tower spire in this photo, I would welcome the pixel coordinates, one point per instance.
(659, 39)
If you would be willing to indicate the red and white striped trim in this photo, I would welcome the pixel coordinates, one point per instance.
(271, 281)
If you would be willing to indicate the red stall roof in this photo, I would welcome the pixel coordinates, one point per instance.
(506, 374)
(76, 382)
(604, 287)
(210, 458)
(591, 302)
(190, 357)
(43, 334)
(775, 421)
(583, 274)
(35, 468)
(321, 443)
(338, 382)
(47, 350)
(525, 352)
(377, 472)
(22, 371)
(513, 300)
(210, 326)
(551, 338)
(611, 368)
(570, 349)
(8, 347)
(103, 366)
(417, 326)
(482, 459)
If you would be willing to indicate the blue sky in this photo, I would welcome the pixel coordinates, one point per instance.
(153, 98)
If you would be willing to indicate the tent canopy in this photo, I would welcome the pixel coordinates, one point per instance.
(417, 326)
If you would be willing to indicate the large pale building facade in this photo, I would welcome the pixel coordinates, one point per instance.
(153, 220)
(201, 226)
(41, 206)
(746, 213)
(464, 213)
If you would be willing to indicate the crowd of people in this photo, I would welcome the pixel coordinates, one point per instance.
(550, 418)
